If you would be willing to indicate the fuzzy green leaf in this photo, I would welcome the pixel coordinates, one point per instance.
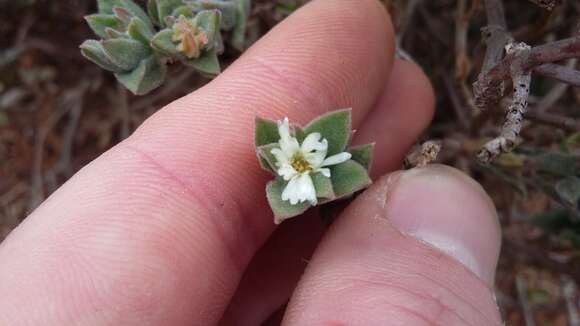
(93, 50)
(282, 209)
(323, 186)
(162, 43)
(298, 133)
(239, 31)
(569, 190)
(135, 10)
(228, 10)
(335, 127)
(106, 6)
(207, 63)
(349, 177)
(146, 77)
(99, 22)
(209, 22)
(166, 8)
(153, 12)
(363, 154)
(139, 31)
(267, 159)
(125, 53)
(266, 132)
(183, 11)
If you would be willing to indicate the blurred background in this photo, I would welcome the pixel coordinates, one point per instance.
(58, 112)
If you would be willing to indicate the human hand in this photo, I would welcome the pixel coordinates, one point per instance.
(172, 227)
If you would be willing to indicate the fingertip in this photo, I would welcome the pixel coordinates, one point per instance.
(445, 208)
(420, 247)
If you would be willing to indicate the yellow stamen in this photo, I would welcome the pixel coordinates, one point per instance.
(300, 164)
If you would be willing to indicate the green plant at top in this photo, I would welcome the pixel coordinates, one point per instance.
(312, 165)
(137, 45)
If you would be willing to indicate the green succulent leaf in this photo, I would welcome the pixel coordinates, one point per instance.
(146, 77)
(163, 8)
(113, 33)
(266, 132)
(323, 186)
(267, 159)
(183, 11)
(125, 53)
(123, 15)
(569, 190)
(298, 132)
(153, 12)
(106, 6)
(239, 31)
(162, 43)
(140, 31)
(349, 177)
(209, 22)
(335, 127)
(135, 10)
(99, 22)
(363, 154)
(93, 50)
(207, 63)
(228, 10)
(282, 209)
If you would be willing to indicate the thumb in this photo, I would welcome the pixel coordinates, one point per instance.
(419, 247)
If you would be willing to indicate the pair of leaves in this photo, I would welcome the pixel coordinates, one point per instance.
(346, 178)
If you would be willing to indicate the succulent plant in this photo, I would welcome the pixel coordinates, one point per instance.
(312, 165)
(137, 46)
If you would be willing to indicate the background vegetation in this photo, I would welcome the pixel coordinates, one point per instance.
(52, 123)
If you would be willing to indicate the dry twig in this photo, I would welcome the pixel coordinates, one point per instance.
(515, 112)
(422, 155)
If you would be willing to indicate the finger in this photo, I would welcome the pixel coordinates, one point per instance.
(274, 271)
(418, 248)
(157, 230)
(402, 113)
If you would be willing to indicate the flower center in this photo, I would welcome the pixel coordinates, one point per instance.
(300, 164)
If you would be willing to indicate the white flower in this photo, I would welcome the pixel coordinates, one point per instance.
(297, 162)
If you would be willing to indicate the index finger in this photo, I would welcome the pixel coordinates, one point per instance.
(159, 229)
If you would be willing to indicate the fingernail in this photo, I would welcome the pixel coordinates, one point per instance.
(446, 209)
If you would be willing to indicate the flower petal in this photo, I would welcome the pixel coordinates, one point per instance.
(324, 171)
(287, 172)
(315, 159)
(288, 144)
(307, 192)
(280, 156)
(337, 159)
(312, 143)
(291, 192)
